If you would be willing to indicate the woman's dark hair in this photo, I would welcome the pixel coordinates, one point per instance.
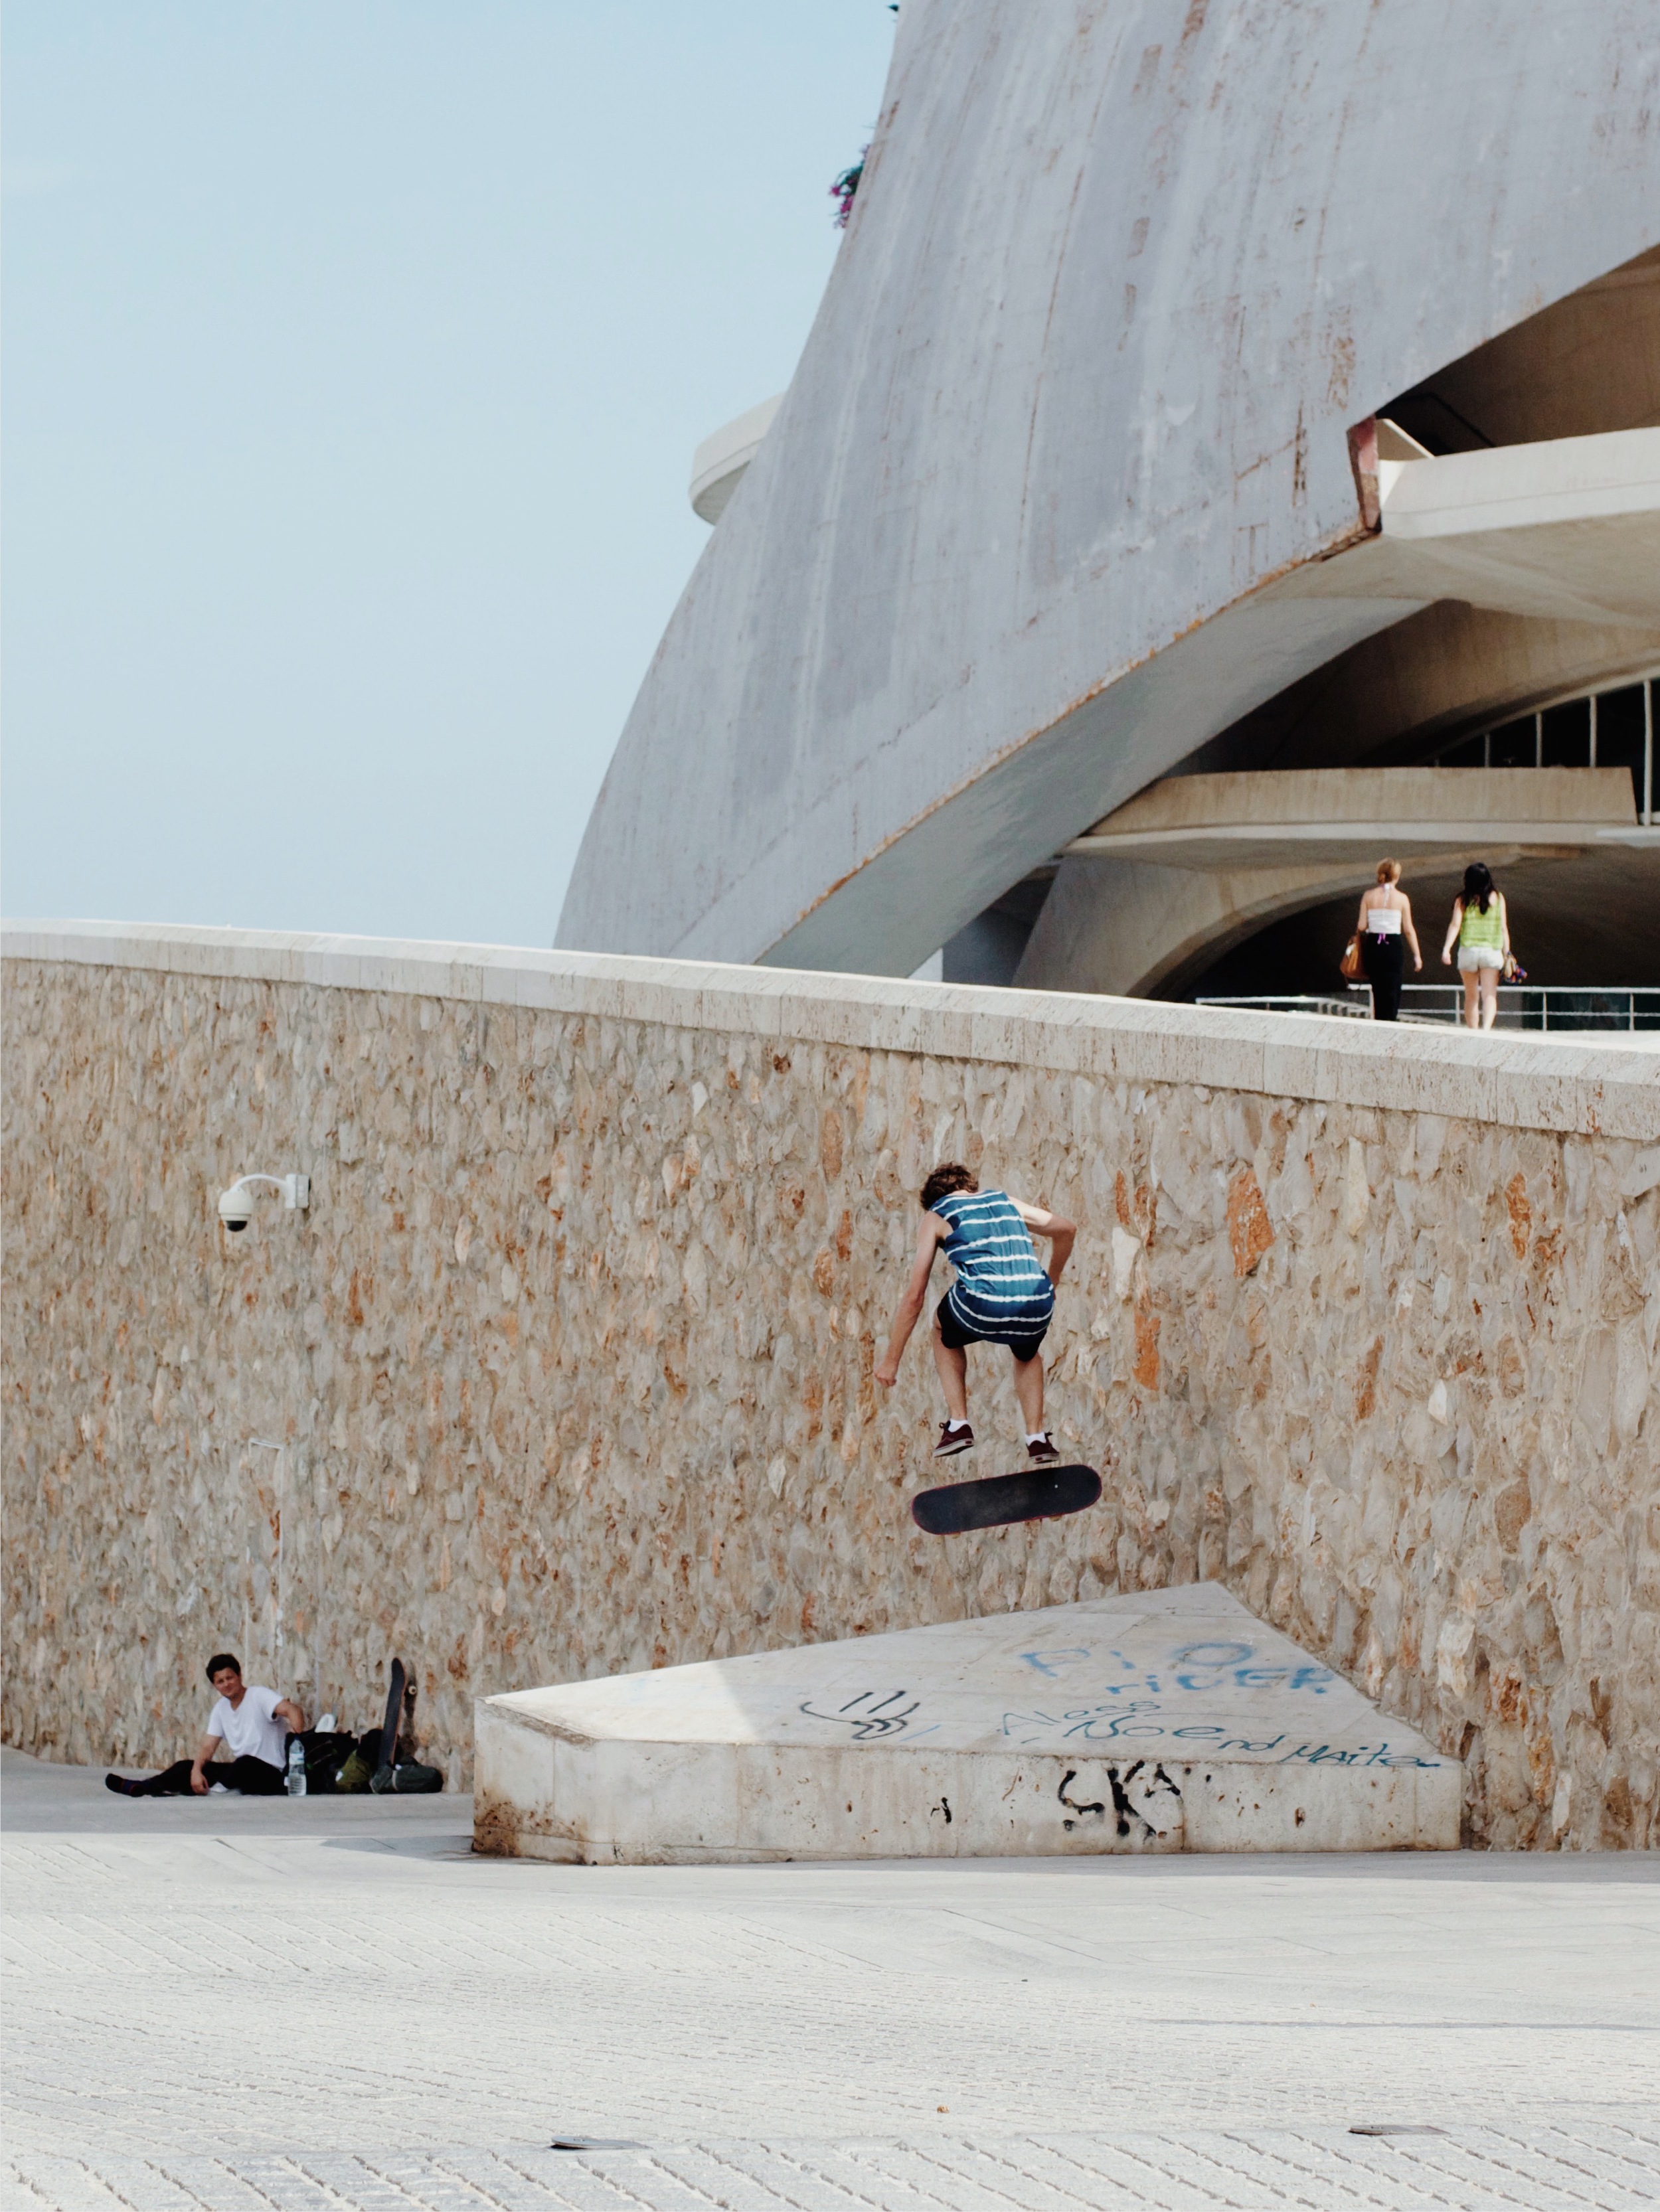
(1478, 885)
(221, 1659)
(949, 1176)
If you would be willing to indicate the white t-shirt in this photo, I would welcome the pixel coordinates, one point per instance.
(253, 1726)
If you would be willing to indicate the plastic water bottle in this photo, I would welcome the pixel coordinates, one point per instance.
(296, 1767)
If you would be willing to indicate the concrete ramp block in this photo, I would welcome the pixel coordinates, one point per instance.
(1165, 1720)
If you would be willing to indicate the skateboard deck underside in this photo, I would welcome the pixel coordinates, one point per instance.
(1034, 1494)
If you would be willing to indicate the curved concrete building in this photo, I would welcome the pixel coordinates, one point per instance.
(1230, 388)
(722, 460)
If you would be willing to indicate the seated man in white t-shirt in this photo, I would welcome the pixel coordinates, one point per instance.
(252, 1723)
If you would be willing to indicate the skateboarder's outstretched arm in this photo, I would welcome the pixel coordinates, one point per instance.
(1061, 1232)
(933, 1234)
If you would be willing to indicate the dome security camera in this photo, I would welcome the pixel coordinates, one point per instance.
(237, 1204)
(236, 1208)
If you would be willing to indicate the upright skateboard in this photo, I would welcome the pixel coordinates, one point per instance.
(388, 1765)
(1038, 1493)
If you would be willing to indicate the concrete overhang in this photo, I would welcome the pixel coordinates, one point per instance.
(1189, 868)
(720, 462)
(1567, 529)
(1301, 817)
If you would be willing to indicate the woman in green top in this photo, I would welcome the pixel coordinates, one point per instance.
(1481, 929)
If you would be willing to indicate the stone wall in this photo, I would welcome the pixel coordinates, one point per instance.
(570, 1358)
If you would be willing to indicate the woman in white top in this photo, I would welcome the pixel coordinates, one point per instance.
(1385, 925)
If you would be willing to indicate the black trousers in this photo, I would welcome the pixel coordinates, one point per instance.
(1384, 959)
(254, 1777)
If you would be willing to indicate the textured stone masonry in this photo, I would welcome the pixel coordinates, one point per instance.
(571, 1357)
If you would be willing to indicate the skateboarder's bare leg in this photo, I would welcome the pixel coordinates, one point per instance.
(1028, 1389)
(953, 1368)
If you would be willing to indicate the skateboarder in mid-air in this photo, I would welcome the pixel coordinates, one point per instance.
(1002, 1296)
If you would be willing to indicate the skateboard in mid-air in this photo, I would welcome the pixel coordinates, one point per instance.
(1037, 1493)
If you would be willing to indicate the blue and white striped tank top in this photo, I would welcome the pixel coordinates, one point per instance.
(1000, 1282)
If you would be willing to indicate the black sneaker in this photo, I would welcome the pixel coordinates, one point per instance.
(121, 1786)
(1042, 1449)
(954, 1436)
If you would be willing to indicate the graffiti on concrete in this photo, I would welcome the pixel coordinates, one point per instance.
(1129, 1702)
(1140, 1817)
(1048, 1662)
(1071, 1775)
(867, 1721)
(1140, 1706)
(1198, 1667)
(1124, 1723)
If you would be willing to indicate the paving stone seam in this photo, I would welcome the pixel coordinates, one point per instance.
(1003, 2158)
(1563, 2188)
(1482, 2168)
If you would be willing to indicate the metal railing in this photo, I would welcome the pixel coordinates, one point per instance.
(1557, 1007)
(1297, 1002)
(1540, 1005)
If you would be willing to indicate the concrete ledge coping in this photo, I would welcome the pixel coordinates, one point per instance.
(1606, 1085)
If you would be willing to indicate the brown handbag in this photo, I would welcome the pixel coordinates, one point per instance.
(1349, 967)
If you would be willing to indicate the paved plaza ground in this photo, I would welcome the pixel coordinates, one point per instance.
(327, 2005)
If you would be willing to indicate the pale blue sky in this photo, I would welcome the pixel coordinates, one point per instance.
(353, 358)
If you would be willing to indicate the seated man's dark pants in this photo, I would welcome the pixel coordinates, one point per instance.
(254, 1777)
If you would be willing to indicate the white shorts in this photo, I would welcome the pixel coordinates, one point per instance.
(1472, 958)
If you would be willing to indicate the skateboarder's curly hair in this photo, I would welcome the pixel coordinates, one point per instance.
(949, 1176)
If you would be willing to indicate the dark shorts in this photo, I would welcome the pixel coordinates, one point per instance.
(957, 1336)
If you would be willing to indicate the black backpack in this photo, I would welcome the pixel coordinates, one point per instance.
(408, 1778)
(325, 1754)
